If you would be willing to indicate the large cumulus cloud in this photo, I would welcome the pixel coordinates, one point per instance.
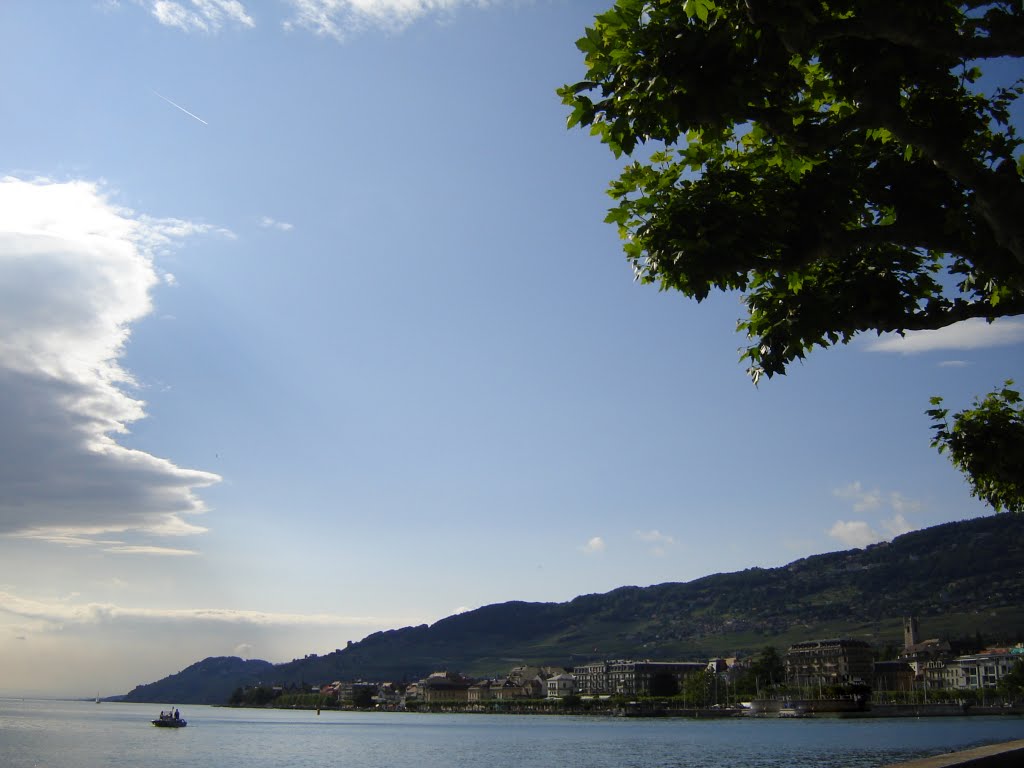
(76, 272)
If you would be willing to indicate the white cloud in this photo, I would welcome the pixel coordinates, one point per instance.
(75, 273)
(141, 549)
(594, 546)
(654, 537)
(201, 15)
(65, 612)
(859, 533)
(341, 18)
(969, 334)
(243, 650)
(660, 542)
(863, 500)
(268, 223)
(854, 533)
(156, 234)
(901, 503)
(897, 526)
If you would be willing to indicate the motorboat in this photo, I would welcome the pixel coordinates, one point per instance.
(170, 719)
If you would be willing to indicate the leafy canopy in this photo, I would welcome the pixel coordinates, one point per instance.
(986, 443)
(836, 162)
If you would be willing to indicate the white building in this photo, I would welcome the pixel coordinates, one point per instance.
(979, 670)
(561, 686)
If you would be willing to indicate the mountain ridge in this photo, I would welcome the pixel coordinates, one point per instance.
(963, 577)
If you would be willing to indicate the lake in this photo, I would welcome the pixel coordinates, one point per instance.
(47, 734)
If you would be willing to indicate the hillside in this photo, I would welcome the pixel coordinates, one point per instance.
(960, 578)
(209, 681)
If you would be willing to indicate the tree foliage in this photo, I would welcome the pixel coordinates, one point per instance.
(765, 673)
(699, 689)
(362, 698)
(664, 684)
(769, 667)
(837, 162)
(986, 443)
(253, 696)
(1011, 686)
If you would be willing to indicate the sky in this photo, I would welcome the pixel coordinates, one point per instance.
(310, 326)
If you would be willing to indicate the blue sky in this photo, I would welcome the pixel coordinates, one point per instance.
(310, 326)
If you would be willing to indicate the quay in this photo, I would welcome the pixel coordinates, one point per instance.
(1009, 754)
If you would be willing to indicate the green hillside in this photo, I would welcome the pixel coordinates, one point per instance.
(209, 681)
(960, 579)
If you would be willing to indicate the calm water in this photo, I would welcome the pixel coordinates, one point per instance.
(37, 734)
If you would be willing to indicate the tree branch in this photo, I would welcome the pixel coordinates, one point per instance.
(997, 33)
(999, 196)
(958, 312)
(1008, 41)
(907, 235)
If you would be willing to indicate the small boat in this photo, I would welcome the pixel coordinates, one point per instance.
(170, 719)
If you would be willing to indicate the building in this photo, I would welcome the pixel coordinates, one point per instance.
(633, 678)
(389, 696)
(980, 670)
(720, 666)
(838, 661)
(348, 690)
(523, 673)
(560, 686)
(896, 676)
(479, 692)
(506, 690)
(911, 632)
(442, 687)
(923, 656)
(591, 679)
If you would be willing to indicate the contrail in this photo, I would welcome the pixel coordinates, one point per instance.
(197, 117)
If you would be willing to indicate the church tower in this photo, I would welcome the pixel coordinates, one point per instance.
(910, 632)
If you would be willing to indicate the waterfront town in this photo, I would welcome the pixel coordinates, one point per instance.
(812, 677)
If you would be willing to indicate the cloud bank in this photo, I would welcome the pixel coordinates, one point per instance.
(65, 612)
(266, 222)
(658, 541)
(864, 500)
(860, 533)
(75, 273)
(341, 18)
(970, 334)
(338, 19)
(201, 15)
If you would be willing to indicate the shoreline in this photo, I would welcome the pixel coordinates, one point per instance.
(880, 711)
